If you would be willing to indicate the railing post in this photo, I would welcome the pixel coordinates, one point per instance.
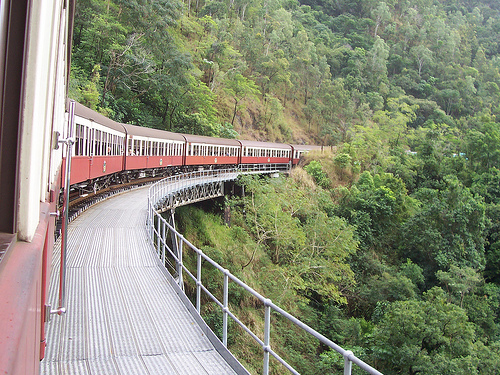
(347, 363)
(158, 235)
(179, 264)
(164, 239)
(225, 308)
(198, 283)
(267, 335)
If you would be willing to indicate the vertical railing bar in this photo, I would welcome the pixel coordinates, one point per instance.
(179, 271)
(267, 335)
(158, 235)
(347, 363)
(225, 308)
(198, 283)
(164, 239)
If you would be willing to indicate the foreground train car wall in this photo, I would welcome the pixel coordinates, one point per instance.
(35, 39)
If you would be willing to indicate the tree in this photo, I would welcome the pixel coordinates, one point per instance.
(448, 230)
(240, 87)
(422, 55)
(459, 281)
(426, 336)
(310, 247)
(381, 14)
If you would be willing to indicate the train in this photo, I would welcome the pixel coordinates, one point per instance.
(107, 152)
(35, 60)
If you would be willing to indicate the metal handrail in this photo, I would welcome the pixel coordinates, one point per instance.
(157, 226)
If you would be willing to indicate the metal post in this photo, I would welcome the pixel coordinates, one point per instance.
(225, 308)
(64, 233)
(267, 335)
(179, 266)
(347, 363)
(198, 283)
(164, 239)
(158, 235)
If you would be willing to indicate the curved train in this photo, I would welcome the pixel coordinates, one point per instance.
(107, 152)
(35, 50)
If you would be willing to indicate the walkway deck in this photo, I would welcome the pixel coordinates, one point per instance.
(123, 315)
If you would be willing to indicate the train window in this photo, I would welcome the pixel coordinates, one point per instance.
(97, 137)
(137, 147)
(130, 150)
(79, 140)
(104, 143)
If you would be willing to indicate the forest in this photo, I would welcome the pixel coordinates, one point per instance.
(388, 242)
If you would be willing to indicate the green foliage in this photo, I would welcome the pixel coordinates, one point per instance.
(315, 170)
(448, 230)
(430, 335)
(310, 247)
(408, 92)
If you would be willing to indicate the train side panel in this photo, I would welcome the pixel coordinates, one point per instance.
(105, 165)
(34, 49)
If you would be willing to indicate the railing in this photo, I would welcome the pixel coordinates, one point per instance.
(158, 228)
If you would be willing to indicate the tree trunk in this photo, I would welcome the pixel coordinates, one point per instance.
(234, 112)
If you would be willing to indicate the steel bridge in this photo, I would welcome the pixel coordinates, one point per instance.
(126, 313)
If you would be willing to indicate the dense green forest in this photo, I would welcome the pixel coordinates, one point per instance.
(389, 244)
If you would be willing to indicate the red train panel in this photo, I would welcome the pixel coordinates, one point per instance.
(104, 165)
(136, 162)
(211, 160)
(163, 161)
(264, 160)
(80, 169)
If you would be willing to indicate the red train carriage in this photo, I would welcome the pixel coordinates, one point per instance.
(299, 150)
(99, 146)
(151, 148)
(254, 152)
(201, 150)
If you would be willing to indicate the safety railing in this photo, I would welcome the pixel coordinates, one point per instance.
(158, 227)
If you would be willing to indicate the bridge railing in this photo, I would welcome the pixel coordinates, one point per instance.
(159, 228)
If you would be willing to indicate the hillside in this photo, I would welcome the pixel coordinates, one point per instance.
(309, 71)
(389, 244)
